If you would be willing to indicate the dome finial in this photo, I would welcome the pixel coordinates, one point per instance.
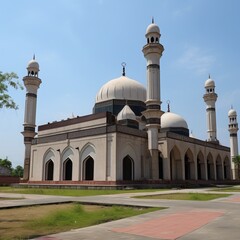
(34, 56)
(152, 19)
(231, 106)
(123, 65)
(168, 105)
(209, 76)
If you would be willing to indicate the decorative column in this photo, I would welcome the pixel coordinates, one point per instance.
(233, 129)
(152, 52)
(210, 98)
(32, 83)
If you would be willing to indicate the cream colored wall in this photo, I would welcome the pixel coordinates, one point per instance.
(64, 149)
(136, 148)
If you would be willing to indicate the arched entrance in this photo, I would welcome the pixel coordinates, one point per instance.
(189, 165)
(227, 168)
(89, 169)
(201, 174)
(175, 164)
(210, 167)
(128, 168)
(219, 168)
(67, 169)
(160, 166)
(49, 167)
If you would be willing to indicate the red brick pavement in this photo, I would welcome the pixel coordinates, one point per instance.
(172, 226)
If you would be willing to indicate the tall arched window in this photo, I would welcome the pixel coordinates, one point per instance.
(49, 167)
(128, 168)
(89, 169)
(67, 170)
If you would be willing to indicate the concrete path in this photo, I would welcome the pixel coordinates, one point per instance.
(185, 220)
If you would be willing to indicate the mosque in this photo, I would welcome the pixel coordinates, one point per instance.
(127, 138)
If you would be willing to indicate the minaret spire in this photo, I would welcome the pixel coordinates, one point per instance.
(210, 98)
(233, 129)
(152, 52)
(32, 83)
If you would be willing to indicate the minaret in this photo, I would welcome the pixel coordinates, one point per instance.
(210, 98)
(233, 129)
(152, 52)
(32, 83)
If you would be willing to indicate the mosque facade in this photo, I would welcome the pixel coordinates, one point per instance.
(127, 138)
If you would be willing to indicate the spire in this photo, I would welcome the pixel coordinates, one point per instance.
(34, 56)
(152, 19)
(168, 106)
(123, 65)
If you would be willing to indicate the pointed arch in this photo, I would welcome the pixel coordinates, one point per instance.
(210, 167)
(227, 168)
(128, 168)
(88, 169)
(48, 164)
(87, 158)
(67, 169)
(67, 164)
(175, 164)
(201, 167)
(49, 169)
(160, 165)
(219, 168)
(189, 165)
(87, 150)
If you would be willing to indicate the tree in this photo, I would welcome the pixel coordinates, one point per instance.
(6, 80)
(18, 171)
(6, 163)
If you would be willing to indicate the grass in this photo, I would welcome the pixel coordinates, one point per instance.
(227, 189)
(29, 222)
(70, 192)
(186, 196)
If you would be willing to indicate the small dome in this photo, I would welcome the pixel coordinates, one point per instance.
(209, 83)
(122, 88)
(152, 28)
(172, 120)
(126, 113)
(232, 113)
(33, 64)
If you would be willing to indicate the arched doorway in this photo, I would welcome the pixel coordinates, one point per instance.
(219, 168)
(67, 169)
(128, 168)
(160, 166)
(49, 167)
(189, 165)
(175, 164)
(200, 166)
(210, 167)
(89, 169)
(227, 168)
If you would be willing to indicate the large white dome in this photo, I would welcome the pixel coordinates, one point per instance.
(122, 88)
(172, 120)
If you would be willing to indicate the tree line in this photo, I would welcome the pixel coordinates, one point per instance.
(7, 164)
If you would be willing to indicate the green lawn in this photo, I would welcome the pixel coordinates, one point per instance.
(70, 192)
(30, 222)
(186, 196)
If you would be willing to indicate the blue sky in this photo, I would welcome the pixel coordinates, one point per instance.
(80, 45)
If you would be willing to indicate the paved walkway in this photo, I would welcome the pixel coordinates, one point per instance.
(184, 220)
